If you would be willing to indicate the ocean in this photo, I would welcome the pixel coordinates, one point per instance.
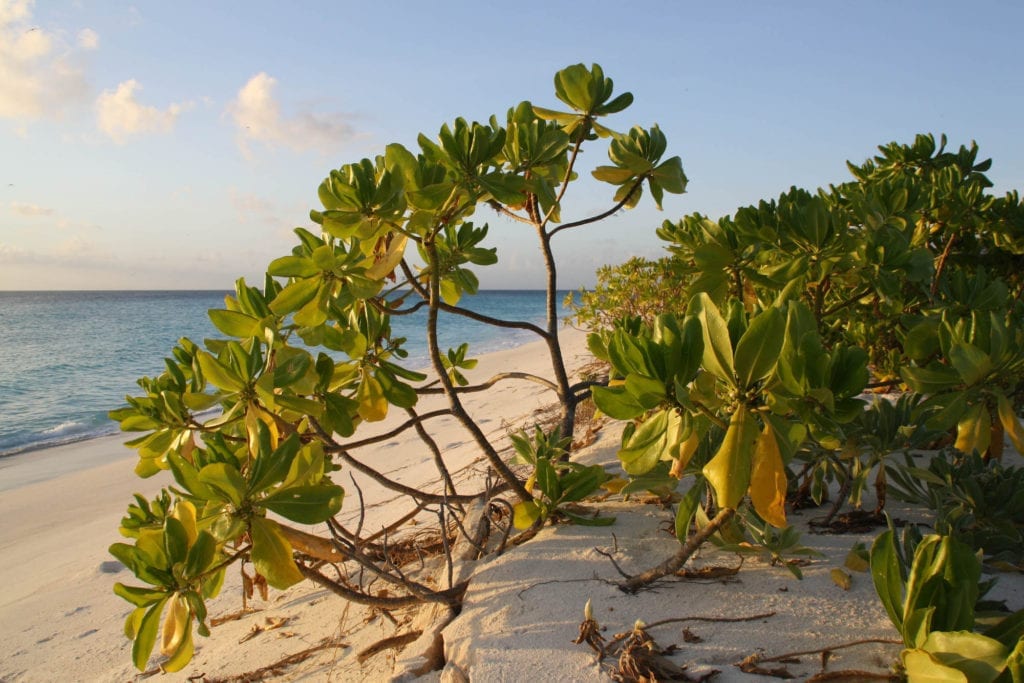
(67, 358)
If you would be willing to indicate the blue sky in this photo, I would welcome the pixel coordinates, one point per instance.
(176, 145)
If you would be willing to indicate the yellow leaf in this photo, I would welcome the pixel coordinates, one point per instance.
(390, 260)
(1011, 425)
(768, 479)
(974, 431)
(855, 560)
(613, 485)
(686, 450)
(373, 406)
(185, 512)
(525, 514)
(729, 470)
(176, 622)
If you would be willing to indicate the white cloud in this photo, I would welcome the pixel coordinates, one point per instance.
(30, 209)
(258, 117)
(38, 69)
(120, 115)
(88, 39)
(15, 10)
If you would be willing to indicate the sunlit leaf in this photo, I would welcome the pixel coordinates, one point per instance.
(272, 554)
(728, 471)
(768, 479)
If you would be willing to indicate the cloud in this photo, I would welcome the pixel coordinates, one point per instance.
(120, 115)
(258, 117)
(88, 39)
(251, 207)
(10, 254)
(30, 209)
(15, 10)
(39, 72)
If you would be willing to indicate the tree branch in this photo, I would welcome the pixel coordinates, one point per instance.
(431, 389)
(451, 596)
(676, 561)
(600, 217)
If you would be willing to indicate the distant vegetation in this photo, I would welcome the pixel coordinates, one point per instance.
(741, 359)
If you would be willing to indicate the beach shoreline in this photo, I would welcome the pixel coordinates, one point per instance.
(61, 508)
(519, 617)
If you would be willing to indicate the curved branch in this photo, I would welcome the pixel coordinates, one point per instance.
(582, 389)
(333, 446)
(602, 216)
(397, 311)
(504, 211)
(497, 322)
(457, 409)
(398, 487)
(451, 596)
(341, 451)
(431, 389)
(426, 438)
(339, 552)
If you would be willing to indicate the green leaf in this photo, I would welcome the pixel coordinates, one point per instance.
(175, 540)
(618, 403)
(235, 324)
(718, 357)
(226, 480)
(644, 448)
(306, 504)
(218, 374)
(921, 667)
(613, 174)
(685, 511)
(973, 364)
(758, 349)
(581, 483)
(649, 392)
(982, 659)
(145, 637)
(292, 266)
(200, 555)
(547, 480)
(295, 296)
(930, 380)
(272, 554)
(140, 597)
(974, 431)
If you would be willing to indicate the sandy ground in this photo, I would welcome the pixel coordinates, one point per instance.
(59, 619)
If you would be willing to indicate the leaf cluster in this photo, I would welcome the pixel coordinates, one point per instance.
(930, 587)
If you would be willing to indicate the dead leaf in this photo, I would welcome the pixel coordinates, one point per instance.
(841, 578)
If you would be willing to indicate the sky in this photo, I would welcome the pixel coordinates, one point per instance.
(176, 145)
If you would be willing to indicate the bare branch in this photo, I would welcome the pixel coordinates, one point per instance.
(432, 389)
(602, 216)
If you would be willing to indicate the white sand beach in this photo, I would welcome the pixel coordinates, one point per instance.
(59, 619)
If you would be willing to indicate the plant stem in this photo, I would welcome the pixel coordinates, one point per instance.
(940, 265)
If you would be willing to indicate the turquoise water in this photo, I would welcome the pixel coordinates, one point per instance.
(67, 358)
